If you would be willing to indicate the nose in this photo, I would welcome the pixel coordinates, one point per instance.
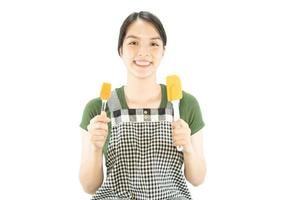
(143, 51)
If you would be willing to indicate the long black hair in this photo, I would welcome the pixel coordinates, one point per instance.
(144, 15)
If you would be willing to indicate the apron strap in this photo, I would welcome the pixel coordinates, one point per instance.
(170, 108)
(169, 105)
(113, 102)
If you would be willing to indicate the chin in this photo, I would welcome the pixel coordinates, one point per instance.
(141, 74)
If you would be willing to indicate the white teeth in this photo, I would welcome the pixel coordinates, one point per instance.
(143, 63)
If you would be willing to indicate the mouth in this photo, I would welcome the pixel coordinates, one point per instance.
(142, 63)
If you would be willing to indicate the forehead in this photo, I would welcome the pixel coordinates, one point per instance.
(142, 29)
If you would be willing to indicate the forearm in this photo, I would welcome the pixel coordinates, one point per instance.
(194, 167)
(91, 171)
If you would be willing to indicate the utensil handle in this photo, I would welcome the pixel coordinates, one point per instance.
(103, 107)
(176, 117)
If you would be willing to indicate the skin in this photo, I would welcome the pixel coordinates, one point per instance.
(142, 52)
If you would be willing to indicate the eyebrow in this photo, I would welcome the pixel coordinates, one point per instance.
(136, 37)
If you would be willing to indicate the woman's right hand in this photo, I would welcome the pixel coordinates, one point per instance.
(97, 130)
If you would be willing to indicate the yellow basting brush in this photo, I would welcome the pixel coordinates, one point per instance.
(104, 95)
(174, 94)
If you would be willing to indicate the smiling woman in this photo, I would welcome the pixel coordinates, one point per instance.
(142, 48)
(136, 133)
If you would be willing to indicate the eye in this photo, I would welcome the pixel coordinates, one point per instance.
(154, 44)
(133, 43)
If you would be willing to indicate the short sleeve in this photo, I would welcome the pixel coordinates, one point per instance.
(92, 108)
(191, 113)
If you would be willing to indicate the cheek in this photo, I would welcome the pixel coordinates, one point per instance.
(129, 53)
(157, 54)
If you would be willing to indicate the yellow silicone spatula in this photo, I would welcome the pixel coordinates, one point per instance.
(104, 95)
(174, 94)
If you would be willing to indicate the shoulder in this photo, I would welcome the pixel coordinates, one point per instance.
(92, 108)
(188, 100)
(93, 103)
(187, 97)
(190, 112)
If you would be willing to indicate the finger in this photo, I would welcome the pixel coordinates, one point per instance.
(185, 124)
(97, 126)
(100, 126)
(100, 118)
(99, 133)
(175, 138)
(96, 138)
(181, 131)
(182, 123)
(103, 113)
(176, 124)
(99, 145)
(177, 131)
(180, 137)
(180, 142)
(176, 142)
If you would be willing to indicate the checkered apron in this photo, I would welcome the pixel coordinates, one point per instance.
(141, 161)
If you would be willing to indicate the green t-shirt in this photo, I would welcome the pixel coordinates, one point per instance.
(189, 111)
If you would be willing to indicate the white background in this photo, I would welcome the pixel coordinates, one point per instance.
(239, 58)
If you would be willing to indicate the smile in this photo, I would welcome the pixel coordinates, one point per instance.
(142, 63)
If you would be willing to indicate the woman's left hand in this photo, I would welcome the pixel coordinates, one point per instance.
(182, 135)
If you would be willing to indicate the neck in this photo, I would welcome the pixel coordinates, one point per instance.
(140, 91)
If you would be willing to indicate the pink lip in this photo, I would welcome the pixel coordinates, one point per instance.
(142, 61)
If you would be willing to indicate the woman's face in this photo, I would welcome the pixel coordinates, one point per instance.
(142, 49)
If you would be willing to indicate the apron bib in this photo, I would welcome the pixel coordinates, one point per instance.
(142, 162)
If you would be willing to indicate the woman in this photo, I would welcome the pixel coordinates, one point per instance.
(136, 136)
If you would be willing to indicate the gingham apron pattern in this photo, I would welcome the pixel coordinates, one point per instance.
(141, 161)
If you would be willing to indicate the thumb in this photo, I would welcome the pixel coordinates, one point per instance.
(103, 113)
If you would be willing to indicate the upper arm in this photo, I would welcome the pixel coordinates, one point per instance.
(85, 144)
(197, 142)
(92, 108)
(191, 113)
